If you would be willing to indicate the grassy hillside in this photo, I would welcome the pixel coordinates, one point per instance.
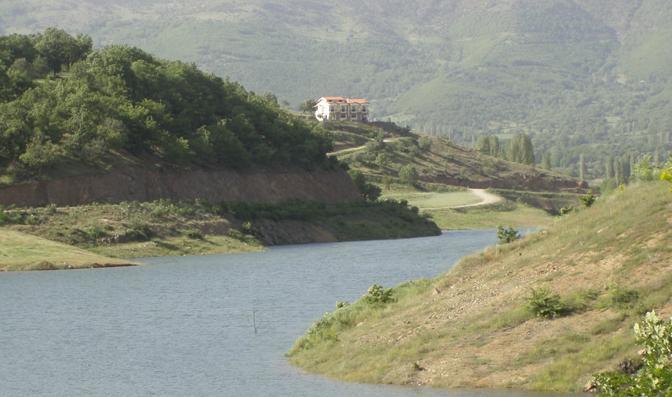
(165, 228)
(19, 251)
(583, 76)
(602, 267)
(380, 152)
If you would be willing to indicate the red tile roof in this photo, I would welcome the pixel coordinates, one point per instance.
(346, 100)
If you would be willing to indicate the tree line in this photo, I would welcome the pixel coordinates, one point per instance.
(62, 101)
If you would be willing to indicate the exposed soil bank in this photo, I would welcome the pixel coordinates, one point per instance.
(132, 184)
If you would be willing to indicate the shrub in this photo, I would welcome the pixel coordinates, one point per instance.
(623, 298)
(566, 210)
(378, 295)
(425, 143)
(654, 378)
(95, 233)
(195, 235)
(139, 232)
(545, 304)
(507, 235)
(588, 200)
(666, 174)
(341, 305)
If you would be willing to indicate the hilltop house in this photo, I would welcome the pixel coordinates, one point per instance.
(341, 108)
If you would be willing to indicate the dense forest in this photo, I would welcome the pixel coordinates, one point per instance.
(62, 102)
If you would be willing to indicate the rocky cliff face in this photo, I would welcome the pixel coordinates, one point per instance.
(259, 185)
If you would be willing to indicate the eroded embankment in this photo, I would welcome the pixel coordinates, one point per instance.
(215, 186)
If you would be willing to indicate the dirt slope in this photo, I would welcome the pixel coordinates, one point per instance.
(471, 327)
(147, 184)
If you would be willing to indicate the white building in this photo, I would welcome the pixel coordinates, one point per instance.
(336, 108)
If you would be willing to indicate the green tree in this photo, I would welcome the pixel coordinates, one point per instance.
(546, 162)
(308, 106)
(609, 168)
(408, 174)
(655, 376)
(644, 169)
(520, 149)
(369, 191)
(60, 49)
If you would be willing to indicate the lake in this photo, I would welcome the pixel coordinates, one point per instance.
(203, 326)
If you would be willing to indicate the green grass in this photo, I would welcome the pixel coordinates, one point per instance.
(488, 217)
(472, 327)
(19, 252)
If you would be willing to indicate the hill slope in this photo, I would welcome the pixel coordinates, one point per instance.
(585, 76)
(382, 150)
(472, 327)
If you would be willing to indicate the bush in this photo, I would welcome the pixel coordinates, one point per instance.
(139, 232)
(195, 235)
(655, 376)
(588, 200)
(566, 210)
(379, 295)
(623, 298)
(507, 235)
(425, 143)
(545, 304)
(666, 174)
(95, 233)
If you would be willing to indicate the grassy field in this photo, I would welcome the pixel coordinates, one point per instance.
(502, 214)
(20, 251)
(437, 205)
(473, 327)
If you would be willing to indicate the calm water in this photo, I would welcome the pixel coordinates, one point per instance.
(184, 326)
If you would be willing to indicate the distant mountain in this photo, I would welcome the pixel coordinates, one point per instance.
(582, 76)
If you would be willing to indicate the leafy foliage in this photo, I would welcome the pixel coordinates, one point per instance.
(65, 102)
(506, 235)
(368, 190)
(588, 200)
(545, 304)
(655, 376)
(408, 174)
(379, 295)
